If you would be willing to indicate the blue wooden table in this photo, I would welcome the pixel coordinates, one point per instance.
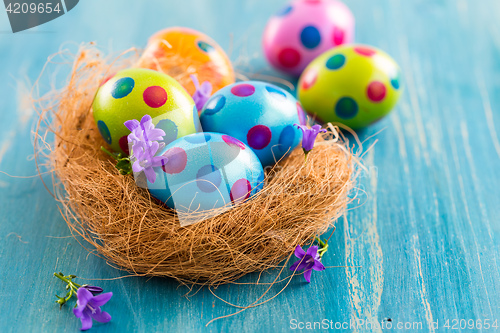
(424, 245)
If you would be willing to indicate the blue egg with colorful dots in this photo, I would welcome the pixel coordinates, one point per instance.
(259, 114)
(206, 171)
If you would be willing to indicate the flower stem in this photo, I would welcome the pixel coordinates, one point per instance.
(305, 156)
(323, 246)
(72, 286)
(321, 243)
(67, 279)
(109, 153)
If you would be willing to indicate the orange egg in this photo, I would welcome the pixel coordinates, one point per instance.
(180, 52)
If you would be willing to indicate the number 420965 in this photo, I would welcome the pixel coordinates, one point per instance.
(455, 324)
(24, 8)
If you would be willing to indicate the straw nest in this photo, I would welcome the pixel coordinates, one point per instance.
(125, 225)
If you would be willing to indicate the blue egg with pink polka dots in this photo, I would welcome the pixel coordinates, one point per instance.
(206, 171)
(259, 114)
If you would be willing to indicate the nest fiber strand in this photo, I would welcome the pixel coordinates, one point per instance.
(135, 232)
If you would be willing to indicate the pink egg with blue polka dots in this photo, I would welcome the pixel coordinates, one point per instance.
(206, 171)
(259, 114)
(303, 30)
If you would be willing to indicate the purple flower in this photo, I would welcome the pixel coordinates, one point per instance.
(89, 307)
(307, 261)
(146, 159)
(144, 138)
(202, 93)
(143, 130)
(309, 136)
(93, 289)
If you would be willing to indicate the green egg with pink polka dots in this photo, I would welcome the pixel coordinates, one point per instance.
(135, 92)
(355, 85)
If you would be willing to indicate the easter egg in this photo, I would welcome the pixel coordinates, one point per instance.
(259, 114)
(180, 52)
(304, 29)
(353, 84)
(206, 171)
(135, 92)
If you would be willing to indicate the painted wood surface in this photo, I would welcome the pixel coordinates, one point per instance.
(423, 244)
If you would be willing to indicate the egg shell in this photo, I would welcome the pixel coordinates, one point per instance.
(259, 114)
(304, 29)
(135, 92)
(179, 50)
(353, 84)
(206, 171)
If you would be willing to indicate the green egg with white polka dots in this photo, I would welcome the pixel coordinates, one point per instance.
(355, 85)
(135, 92)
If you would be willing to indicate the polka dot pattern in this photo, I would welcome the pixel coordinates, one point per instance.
(292, 41)
(286, 139)
(338, 36)
(215, 104)
(233, 142)
(123, 142)
(355, 85)
(310, 37)
(335, 62)
(240, 191)
(208, 178)
(256, 121)
(395, 82)
(301, 114)
(259, 136)
(170, 129)
(376, 91)
(205, 47)
(289, 57)
(276, 93)
(364, 51)
(122, 87)
(203, 177)
(135, 92)
(104, 130)
(177, 160)
(155, 96)
(198, 138)
(243, 90)
(346, 108)
(309, 78)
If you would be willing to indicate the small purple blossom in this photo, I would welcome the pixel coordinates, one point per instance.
(144, 138)
(202, 93)
(143, 130)
(309, 136)
(308, 261)
(89, 307)
(146, 159)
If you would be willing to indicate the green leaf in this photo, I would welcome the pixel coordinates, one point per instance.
(121, 156)
(124, 166)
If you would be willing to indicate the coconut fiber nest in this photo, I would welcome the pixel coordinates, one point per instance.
(125, 225)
